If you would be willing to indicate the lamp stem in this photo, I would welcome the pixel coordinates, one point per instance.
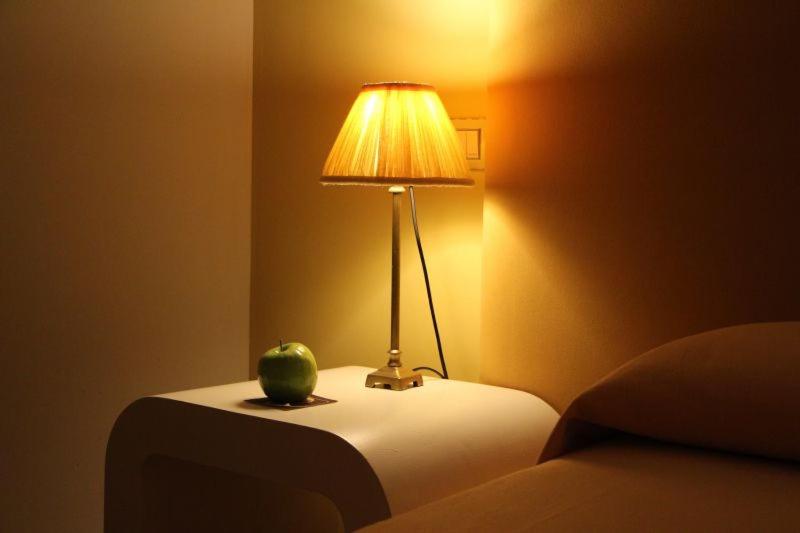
(394, 351)
(393, 376)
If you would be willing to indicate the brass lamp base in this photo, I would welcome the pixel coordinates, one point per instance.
(394, 378)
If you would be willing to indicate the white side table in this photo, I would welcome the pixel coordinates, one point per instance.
(375, 453)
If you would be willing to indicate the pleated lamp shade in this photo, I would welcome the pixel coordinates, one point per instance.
(397, 133)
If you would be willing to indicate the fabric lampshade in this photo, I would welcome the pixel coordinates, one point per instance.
(397, 133)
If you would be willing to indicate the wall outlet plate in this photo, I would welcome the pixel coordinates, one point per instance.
(472, 134)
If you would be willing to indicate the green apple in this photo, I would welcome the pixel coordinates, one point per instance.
(288, 373)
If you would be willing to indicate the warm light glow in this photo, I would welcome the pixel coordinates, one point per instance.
(397, 133)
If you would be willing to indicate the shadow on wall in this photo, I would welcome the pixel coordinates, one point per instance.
(643, 194)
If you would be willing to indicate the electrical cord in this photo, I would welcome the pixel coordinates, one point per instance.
(443, 374)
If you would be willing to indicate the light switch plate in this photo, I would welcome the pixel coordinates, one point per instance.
(472, 135)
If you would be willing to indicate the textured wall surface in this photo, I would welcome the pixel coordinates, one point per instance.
(125, 208)
(642, 183)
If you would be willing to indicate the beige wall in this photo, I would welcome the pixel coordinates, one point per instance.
(321, 256)
(125, 149)
(642, 183)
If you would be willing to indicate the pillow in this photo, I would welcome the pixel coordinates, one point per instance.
(735, 389)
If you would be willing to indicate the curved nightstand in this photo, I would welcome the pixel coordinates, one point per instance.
(374, 453)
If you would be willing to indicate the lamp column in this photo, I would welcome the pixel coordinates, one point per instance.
(393, 376)
(394, 349)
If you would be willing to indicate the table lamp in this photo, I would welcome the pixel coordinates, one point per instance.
(396, 135)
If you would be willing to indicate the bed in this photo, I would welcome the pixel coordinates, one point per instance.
(701, 434)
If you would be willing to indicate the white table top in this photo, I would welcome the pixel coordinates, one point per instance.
(423, 443)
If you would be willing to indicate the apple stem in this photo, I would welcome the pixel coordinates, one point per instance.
(280, 342)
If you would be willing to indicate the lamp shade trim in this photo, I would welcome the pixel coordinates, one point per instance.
(398, 85)
(382, 181)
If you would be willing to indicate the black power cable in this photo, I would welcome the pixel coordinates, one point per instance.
(443, 373)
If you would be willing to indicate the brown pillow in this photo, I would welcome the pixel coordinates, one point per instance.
(734, 389)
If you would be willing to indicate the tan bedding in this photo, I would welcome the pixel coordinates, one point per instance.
(735, 389)
(725, 408)
(623, 485)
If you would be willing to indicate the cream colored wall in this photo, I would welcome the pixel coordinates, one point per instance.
(125, 149)
(642, 182)
(321, 256)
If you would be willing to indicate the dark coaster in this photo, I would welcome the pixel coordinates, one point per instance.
(311, 401)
